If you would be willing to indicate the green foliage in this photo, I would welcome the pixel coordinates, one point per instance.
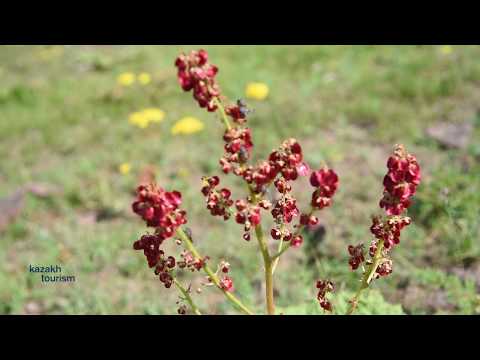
(449, 204)
(371, 303)
(462, 293)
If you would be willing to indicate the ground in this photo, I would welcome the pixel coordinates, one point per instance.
(64, 132)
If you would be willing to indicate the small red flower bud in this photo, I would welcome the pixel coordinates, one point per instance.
(224, 267)
(240, 218)
(312, 220)
(297, 241)
(356, 256)
(304, 219)
(254, 216)
(171, 262)
(226, 284)
(303, 169)
(276, 234)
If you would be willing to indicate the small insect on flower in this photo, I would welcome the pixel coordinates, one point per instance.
(187, 125)
(124, 168)
(257, 91)
(144, 78)
(243, 108)
(126, 79)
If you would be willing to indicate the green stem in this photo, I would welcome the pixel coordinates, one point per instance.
(267, 261)
(280, 252)
(268, 270)
(224, 115)
(280, 245)
(298, 232)
(367, 278)
(214, 278)
(187, 297)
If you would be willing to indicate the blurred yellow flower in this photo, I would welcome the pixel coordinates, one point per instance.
(187, 125)
(154, 115)
(124, 168)
(126, 79)
(139, 119)
(257, 91)
(144, 117)
(446, 49)
(144, 78)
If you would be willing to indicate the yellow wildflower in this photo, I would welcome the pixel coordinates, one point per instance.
(124, 168)
(144, 117)
(446, 49)
(126, 79)
(257, 91)
(187, 125)
(139, 119)
(154, 115)
(144, 78)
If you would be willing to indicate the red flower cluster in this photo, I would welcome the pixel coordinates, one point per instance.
(238, 112)
(326, 182)
(401, 181)
(159, 209)
(218, 202)
(194, 72)
(249, 215)
(288, 160)
(385, 268)
(324, 287)
(400, 185)
(190, 262)
(389, 229)
(238, 147)
(150, 244)
(285, 209)
(356, 256)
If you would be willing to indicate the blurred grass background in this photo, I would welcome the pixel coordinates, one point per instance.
(64, 127)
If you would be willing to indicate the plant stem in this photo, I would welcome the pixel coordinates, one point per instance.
(268, 270)
(224, 115)
(214, 278)
(367, 278)
(187, 297)
(280, 252)
(259, 234)
(280, 246)
(288, 246)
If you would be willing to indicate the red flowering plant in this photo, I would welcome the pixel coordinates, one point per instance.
(161, 209)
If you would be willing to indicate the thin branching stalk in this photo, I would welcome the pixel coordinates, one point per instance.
(212, 276)
(367, 278)
(187, 297)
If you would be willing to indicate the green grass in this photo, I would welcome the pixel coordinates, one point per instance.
(63, 122)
